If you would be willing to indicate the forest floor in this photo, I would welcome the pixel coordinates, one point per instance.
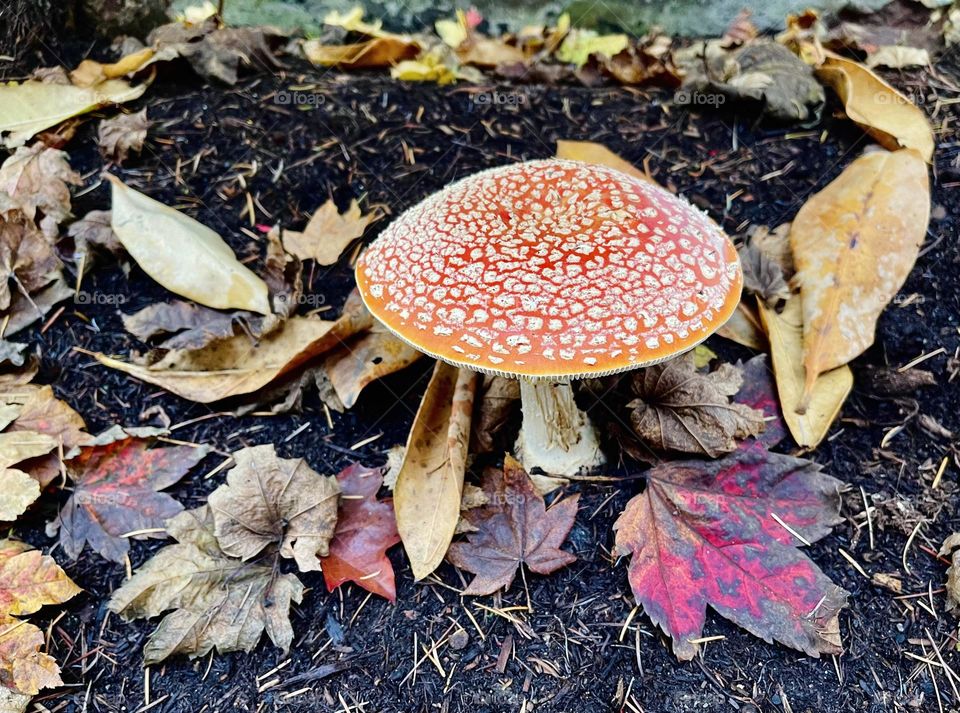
(564, 642)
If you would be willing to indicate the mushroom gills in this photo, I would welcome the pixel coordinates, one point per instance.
(556, 435)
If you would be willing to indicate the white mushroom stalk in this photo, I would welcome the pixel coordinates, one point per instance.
(556, 436)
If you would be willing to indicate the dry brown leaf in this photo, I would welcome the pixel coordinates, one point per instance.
(830, 389)
(241, 365)
(123, 133)
(951, 549)
(37, 178)
(854, 243)
(879, 109)
(218, 601)
(27, 259)
(93, 231)
(366, 358)
(269, 501)
(430, 482)
(680, 409)
(762, 275)
(328, 233)
(590, 152)
(498, 397)
(375, 52)
(188, 325)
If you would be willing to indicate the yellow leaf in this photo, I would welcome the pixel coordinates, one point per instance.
(428, 67)
(786, 351)
(376, 52)
(19, 492)
(430, 482)
(183, 255)
(90, 72)
(744, 328)
(328, 233)
(883, 112)
(489, 52)
(590, 152)
(452, 32)
(30, 107)
(580, 44)
(703, 355)
(854, 243)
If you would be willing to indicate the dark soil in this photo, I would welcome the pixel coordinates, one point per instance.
(394, 144)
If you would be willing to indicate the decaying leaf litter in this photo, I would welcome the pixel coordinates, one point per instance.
(894, 514)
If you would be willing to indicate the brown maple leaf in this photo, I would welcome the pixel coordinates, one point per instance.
(117, 491)
(762, 275)
(28, 580)
(681, 409)
(217, 601)
(272, 501)
(123, 133)
(366, 529)
(515, 528)
(328, 232)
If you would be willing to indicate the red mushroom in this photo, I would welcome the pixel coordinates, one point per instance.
(549, 271)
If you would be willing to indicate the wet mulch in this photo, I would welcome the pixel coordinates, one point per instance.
(302, 136)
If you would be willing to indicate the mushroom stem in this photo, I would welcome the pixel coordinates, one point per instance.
(556, 436)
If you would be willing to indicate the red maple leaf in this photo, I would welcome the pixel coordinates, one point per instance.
(715, 532)
(116, 492)
(366, 529)
(515, 528)
(759, 391)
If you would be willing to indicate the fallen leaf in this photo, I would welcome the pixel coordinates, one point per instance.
(90, 72)
(37, 179)
(744, 328)
(17, 489)
(515, 529)
(427, 67)
(188, 325)
(579, 45)
(759, 391)
(763, 73)
(430, 482)
(328, 233)
(488, 52)
(854, 243)
(123, 133)
(269, 500)
(830, 390)
(29, 580)
(951, 549)
(366, 358)
(215, 52)
(761, 275)
(24, 310)
(183, 255)
(680, 409)
(879, 109)
(28, 260)
(709, 533)
(238, 365)
(499, 398)
(375, 52)
(366, 529)
(93, 231)
(218, 601)
(590, 152)
(898, 57)
(117, 492)
(30, 107)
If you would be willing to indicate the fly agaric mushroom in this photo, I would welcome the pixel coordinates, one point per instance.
(548, 271)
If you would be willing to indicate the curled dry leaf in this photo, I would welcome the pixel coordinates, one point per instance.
(680, 409)
(32, 106)
(829, 391)
(762, 275)
(188, 325)
(744, 327)
(430, 481)
(38, 179)
(854, 243)
(185, 256)
(879, 109)
(515, 529)
(93, 231)
(709, 533)
(269, 501)
(17, 489)
(590, 152)
(328, 232)
(374, 52)
(951, 549)
(28, 261)
(218, 601)
(366, 358)
(499, 397)
(117, 495)
(123, 133)
(241, 365)
(366, 529)
(28, 580)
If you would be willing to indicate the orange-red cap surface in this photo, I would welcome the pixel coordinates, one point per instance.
(549, 270)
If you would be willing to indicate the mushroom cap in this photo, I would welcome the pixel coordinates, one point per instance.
(551, 269)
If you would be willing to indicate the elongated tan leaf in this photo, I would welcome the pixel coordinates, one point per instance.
(430, 482)
(31, 107)
(237, 365)
(183, 255)
(367, 358)
(591, 152)
(830, 389)
(878, 108)
(743, 327)
(854, 243)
